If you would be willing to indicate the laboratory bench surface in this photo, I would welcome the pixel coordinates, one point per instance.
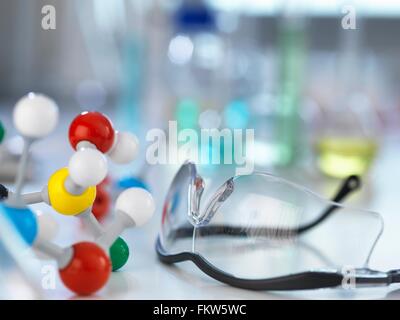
(144, 277)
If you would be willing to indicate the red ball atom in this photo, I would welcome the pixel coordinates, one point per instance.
(88, 270)
(102, 203)
(93, 127)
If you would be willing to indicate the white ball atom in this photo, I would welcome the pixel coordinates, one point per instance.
(35, 115)
(87, 167)
(137, 203)
(125, 149)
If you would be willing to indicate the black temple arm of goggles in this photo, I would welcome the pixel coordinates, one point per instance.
(349, 185)
(297, 281)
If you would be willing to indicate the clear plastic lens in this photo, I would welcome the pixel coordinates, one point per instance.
(176, 210)
(254, 234)
(255, 227)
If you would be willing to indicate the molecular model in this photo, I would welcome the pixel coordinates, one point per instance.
(84, 267)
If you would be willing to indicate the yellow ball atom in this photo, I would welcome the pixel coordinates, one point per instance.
(64, 202)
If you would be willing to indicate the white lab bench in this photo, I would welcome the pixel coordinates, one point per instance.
(144, 277)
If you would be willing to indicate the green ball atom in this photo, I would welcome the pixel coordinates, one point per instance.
(119, 254)
(2, 132)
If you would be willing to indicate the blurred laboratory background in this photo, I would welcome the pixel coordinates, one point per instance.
(307, 80)
(318, 81)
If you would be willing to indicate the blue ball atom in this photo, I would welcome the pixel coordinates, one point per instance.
(132, 182)
(24, 220)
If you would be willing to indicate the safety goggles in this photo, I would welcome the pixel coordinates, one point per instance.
(262, 232)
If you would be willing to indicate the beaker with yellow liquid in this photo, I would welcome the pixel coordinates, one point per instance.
(348, 137)
(340, 157)
(349, 129)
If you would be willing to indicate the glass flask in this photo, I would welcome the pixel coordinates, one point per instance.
(275, 109)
